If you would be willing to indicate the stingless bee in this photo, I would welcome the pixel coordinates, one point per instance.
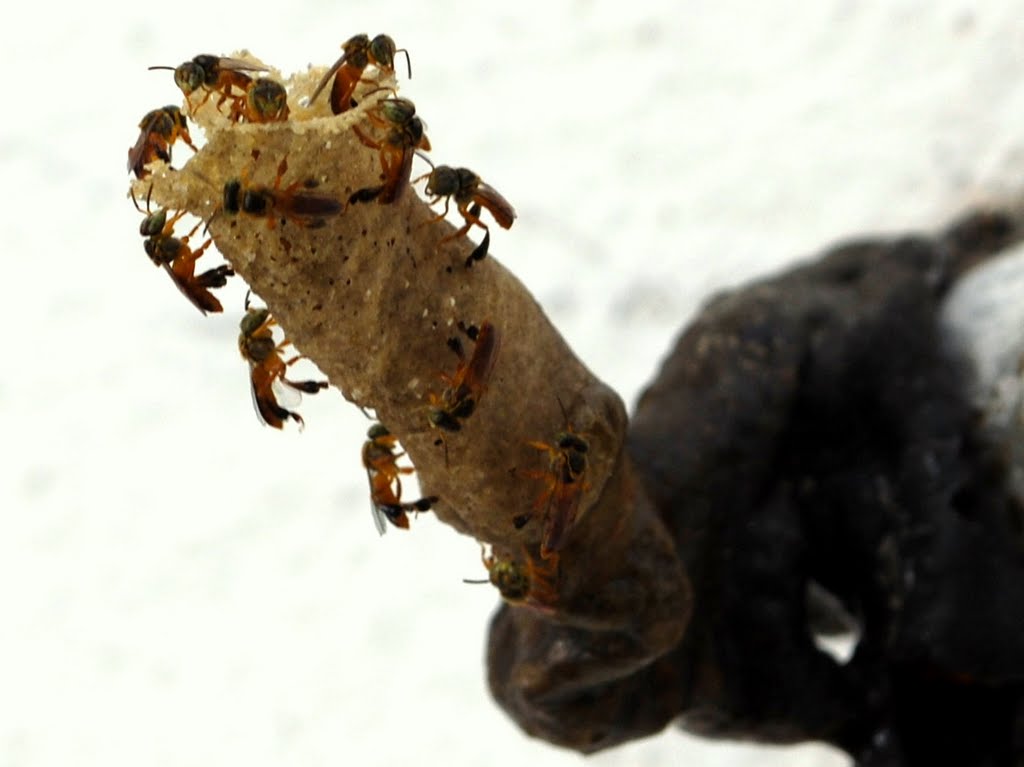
(358, 52)
(380, 459)
(564, 485)
(214, 74)
(465, 387)
(296, 202)
(403, 138)
(178, 259)
(267, 368)
(158, 130)
(265, 101)
(470, 194)
(534, 583)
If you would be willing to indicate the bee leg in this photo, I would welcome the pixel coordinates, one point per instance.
(439, 217)
(480, 251)
(308, 387)
(543, 581)
(519, 521)
(364, 139)
(216, 277)
(425, 504)
(282, 168)
(367, 194)
(192, 109)
(454, 235)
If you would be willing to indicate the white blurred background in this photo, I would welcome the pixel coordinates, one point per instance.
(182, 586)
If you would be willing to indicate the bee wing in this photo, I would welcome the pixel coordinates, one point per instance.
(226, 62)
(485, 354)
(255, 398)
(380, 520)
(264, 400)
(327, 77)
(287, 396)
(314, 205)
(560, 516)
(201, 299)
(498, 206)
(396, 183)
(135, 153)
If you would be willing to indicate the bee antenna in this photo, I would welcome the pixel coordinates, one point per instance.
(170, 68)
(149, 194)
(561, 406)
(474, 580)
(248, 294)
(423, 156)
(206, 227)
(408, 62)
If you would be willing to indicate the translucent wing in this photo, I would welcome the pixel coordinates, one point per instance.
(380, 520)
(327, 77)
(287, 396)
(226, 62)
(135, 154)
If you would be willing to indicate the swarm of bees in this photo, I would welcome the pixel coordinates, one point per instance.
(240, 91)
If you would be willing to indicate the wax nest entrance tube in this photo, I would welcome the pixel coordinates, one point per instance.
(317, 207)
